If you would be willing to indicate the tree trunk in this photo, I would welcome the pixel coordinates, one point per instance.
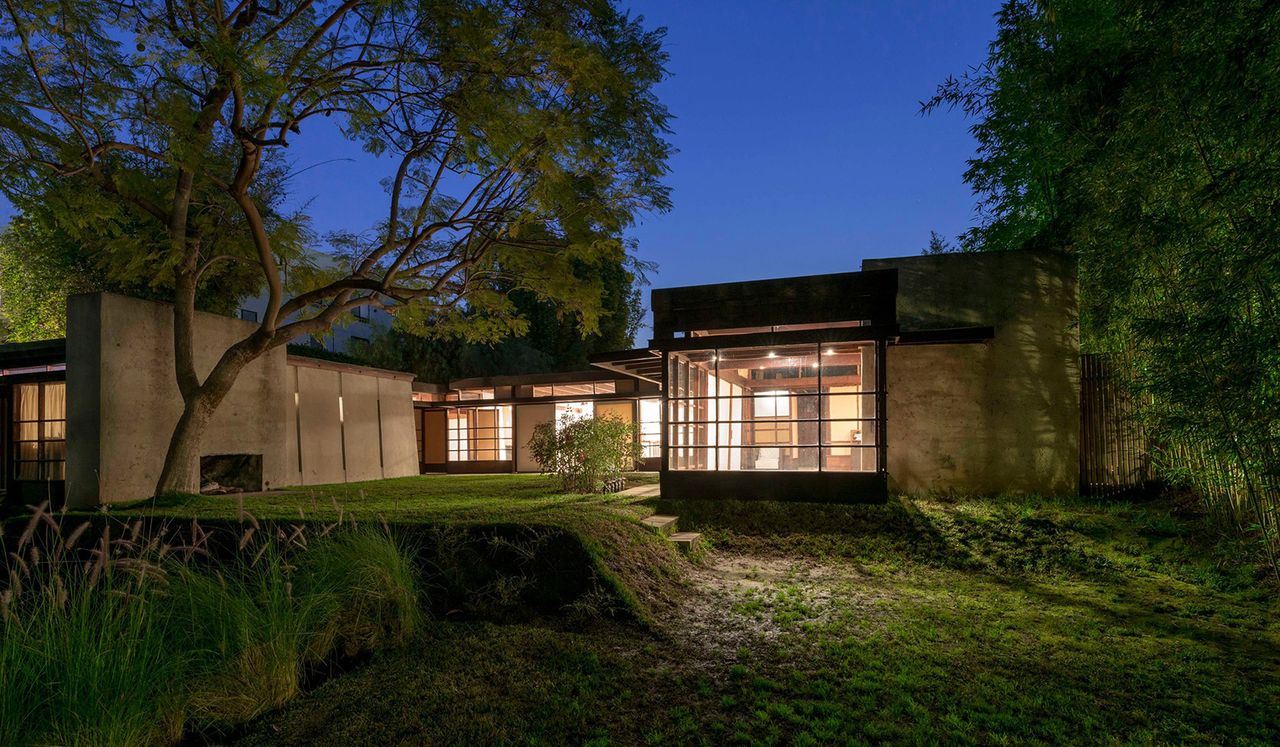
(184, 446)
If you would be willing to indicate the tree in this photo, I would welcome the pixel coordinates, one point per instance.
(1145, 137)
(550, 343)
(41, 265)
(38, 270)
(518, 137)
(938, 244)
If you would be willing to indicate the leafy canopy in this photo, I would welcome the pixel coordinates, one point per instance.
(516, 138)
(1145, 137)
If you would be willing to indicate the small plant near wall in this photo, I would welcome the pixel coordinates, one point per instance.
(588, 454)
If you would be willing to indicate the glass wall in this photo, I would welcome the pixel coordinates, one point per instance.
(40, 431)
(479, 434)
(785, 408)
(651, 427)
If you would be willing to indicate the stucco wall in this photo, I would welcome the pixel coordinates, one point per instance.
(527, 418)
(123, 401)
(999, 416)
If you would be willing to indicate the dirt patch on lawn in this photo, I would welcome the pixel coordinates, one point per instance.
(742, 607)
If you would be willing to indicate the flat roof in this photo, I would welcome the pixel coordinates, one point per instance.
(39, 353)
(328, 365)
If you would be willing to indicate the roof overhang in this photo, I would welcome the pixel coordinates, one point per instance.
(641, 363)
(950, 336)
(557, 377)
(32, 357)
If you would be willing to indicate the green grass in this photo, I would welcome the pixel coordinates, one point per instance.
(932, 620)
(453, 499)
(638, 573)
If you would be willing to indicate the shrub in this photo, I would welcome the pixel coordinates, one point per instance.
(586, 453)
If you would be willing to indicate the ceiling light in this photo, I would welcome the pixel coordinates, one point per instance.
(772, 354)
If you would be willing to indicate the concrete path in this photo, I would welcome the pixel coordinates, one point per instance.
(641, 491)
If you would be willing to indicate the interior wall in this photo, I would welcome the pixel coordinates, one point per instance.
(619, 410)
(1001, 416)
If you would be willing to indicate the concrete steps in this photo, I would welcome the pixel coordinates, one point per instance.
(665, 526)
(686, 542)
(660, 524)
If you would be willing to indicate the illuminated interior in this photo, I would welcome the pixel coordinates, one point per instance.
(40, 431)
(480, 434)
(651, 427)
(786, 408)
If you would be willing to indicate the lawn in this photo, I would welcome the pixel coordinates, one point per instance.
(972, 621)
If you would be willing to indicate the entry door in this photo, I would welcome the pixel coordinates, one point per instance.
(528, 416)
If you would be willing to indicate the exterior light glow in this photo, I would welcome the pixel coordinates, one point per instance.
(772, 354)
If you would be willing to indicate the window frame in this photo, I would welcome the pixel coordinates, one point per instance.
(688, 408)
(42, 439)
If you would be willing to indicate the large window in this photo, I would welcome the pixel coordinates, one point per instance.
(40, 431)
(786, 408)
(480, 434)
(575, 410)
(651, 427)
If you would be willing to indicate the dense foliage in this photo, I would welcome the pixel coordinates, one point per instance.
(1145, 137)
(41, 265)
(588, 454)
(516, 140)
(550, 342)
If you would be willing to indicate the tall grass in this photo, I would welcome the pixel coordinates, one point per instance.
(369, 586)
(90, 665)
(249, 633)
(133, 641)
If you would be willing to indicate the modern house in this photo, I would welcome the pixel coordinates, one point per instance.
(938, 372)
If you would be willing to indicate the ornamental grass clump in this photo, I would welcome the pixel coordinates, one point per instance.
(130, 641)
(250, 632)
(369, 588)
(86, 655)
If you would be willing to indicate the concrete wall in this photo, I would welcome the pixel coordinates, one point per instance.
(123, 402)
(1000, 416)
(350, 423)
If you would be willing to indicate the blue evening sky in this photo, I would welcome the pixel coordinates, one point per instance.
(801, 146)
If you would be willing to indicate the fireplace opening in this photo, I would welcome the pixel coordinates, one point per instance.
(221, 474)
